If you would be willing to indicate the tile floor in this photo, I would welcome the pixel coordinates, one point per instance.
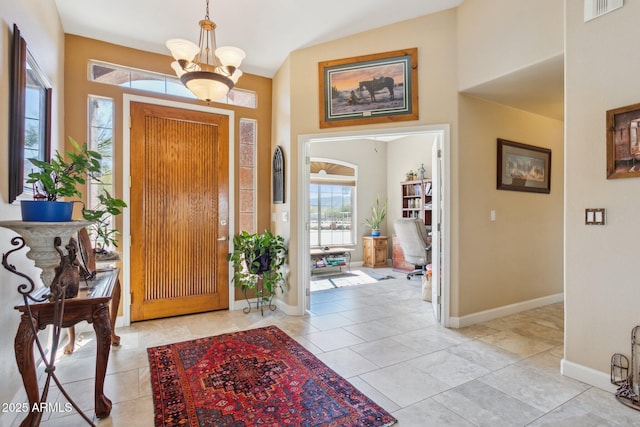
(384, 339)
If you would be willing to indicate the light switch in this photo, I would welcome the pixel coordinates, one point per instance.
(594, 216)
(493, 215)
(285, 216)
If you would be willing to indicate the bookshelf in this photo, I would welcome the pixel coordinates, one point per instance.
(416, 200)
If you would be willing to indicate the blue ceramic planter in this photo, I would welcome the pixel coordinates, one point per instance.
(375, 233)
(45, 211)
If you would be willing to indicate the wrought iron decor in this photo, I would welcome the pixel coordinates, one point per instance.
(58, 293)
(628, 383)
(278, 176)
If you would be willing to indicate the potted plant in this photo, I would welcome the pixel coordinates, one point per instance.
(378, 213)
(100, 217)
(59, 178)
(258, 261)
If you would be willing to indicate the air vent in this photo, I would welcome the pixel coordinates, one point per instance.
(595, 8)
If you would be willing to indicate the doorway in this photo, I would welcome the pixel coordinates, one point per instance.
(439, 133)
(179, 209)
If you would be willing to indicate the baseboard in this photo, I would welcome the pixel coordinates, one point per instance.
(587, 375)
(495, 313)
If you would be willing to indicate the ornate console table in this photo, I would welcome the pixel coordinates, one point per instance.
(55, 305)
(92, 304)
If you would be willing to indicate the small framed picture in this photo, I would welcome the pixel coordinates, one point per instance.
(623, 142)
(523, 167)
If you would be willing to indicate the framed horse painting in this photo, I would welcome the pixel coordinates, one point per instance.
(377, 88)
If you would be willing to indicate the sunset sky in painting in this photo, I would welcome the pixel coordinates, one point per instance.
(350, 79)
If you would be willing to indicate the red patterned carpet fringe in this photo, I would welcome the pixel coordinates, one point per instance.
(259, 377)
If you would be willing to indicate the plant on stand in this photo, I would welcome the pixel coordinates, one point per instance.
(258, 261)
(59, 178)
(378, 213)
(105, 236)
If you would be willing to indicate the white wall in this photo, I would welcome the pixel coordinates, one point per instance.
(601, 276)
(403, 155)
(41, 28)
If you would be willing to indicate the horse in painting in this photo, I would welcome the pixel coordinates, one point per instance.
(372, 86)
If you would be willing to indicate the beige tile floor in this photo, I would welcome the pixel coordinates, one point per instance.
(383, 338)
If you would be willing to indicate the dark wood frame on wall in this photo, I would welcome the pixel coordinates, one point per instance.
(17, 113)
(278, 175)
(623, 142)
(340, 105)
(522, 167)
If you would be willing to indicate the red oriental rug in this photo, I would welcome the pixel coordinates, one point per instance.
(259, 377)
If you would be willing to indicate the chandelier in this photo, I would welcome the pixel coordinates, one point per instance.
(209, 72)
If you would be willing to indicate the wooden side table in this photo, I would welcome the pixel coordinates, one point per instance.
(92, 304)
(375, 251)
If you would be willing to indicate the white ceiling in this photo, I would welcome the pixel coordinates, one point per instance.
(269, 30)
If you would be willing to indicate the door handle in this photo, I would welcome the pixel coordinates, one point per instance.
(222, 239)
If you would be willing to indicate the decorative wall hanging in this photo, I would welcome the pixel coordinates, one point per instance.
(368, 89)
(278, 176)
(523, 167)
(623, 142)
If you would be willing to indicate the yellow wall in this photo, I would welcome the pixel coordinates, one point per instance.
(518, 257)
(80, 50)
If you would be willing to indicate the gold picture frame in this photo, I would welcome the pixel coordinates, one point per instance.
(377, 88)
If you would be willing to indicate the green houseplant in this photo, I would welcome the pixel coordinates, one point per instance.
(378, 213)
(258, 261)
(59, 178)
(104, 235)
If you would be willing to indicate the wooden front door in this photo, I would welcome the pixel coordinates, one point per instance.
(179, 211)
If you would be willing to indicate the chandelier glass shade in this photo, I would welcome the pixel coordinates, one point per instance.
(207, 71)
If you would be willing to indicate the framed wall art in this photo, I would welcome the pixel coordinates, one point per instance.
(623, 142)
(523, 167)
(367, 89)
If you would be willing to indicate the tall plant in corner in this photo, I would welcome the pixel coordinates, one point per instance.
(378, 214)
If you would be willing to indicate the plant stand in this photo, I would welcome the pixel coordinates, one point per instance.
(260, 300)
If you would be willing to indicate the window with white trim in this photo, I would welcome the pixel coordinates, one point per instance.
(332, 198)
(101, 119)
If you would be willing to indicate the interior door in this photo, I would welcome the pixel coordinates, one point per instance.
(179, 211)
(436, 235)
